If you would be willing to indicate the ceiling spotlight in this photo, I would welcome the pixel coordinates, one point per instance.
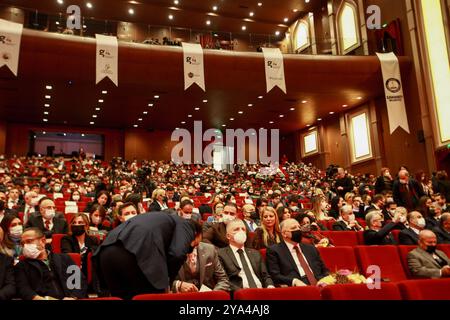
(100, 101)
(131, 11)
(104, 92)
(231, 119)
(294, 10)
(57, 23)
(48, 87)
(45, 120)
(89, 5)
(304, 101)
(244, 28)
(224, 125)
(271, 122)
(94, 116)
(65, 134)
(196, 109)
(344, 105)
(208, 22)
(241, 112)
(215, 8)
(176, 2)
(259, 4)
(135, 126)
(97, 109)
(150, 104)
(277, 33)
(250, 105)
(319, 119)
(189, 115)
(92, 122)
(308, 125)
(170, 17)
(251, 14)
(331, 112)
(260, 97)
(145, 112)
(156, 97)
(47, 105)
(359, 98)
(43, 132)
(306, 1)
(281, 115)
(140, 119)
(286, 19)
(292, 109)
(205, 101)
(48, 97)
(183, 122)
(60, 1)
(82, 134)
(46, 112)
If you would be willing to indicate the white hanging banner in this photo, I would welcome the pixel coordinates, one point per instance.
(10, 37)
(273, 59)
(393, 89)
(107, 58)
(194, 71)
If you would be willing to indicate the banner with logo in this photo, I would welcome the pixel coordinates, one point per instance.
(273, 59)
(10, 37)
(194, 71)
(107, 58)
(393, 89)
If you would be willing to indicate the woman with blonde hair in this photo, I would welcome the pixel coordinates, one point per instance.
(319, 208)
(269, 233)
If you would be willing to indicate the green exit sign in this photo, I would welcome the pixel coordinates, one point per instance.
(448, 146)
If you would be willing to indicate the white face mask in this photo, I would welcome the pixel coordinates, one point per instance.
(16, 232)
(227, 218)
(76, 198)
(240, 237)
(351, 218)
(34, 202)
(187, 216)
(49, 214)
(31, 251)
(402, 219)
(421, 223)
(128, 217)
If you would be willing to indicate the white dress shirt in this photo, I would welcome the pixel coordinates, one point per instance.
(297, 262)
(242, 272)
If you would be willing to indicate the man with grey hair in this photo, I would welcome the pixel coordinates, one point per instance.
(293, 263)
(347, 220)
(377, 234)
(406, 191)
(244, 266)
(427, 262)
(30, 208)
(410, 235)
(443, 230)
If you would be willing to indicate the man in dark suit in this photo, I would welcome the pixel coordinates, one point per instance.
(410, 235)
(443, 231)
(378, 203)
(347, 220)
(343, 183)
(217, 233)
(245, 267)
(7, 280)
(201, 269)
(47, 276)
(47, 222)
(159, 201)
(427, 262)
(292, 263)
(30, 208)
(406, 191)
(144, 254)
(377, 234)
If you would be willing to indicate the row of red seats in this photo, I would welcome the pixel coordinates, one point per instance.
(405, 290)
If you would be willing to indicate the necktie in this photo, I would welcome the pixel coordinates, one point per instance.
(312, 280)
(248, 273)
(47, 224)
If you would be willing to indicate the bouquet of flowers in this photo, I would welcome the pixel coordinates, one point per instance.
(343, 277)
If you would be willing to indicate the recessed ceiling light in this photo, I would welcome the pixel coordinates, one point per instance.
(60, 1)
(145, 112)
(48, 97)
(344, 105)
(57, 23)
(231, 119)
(89, 5)
(331, 112)
(208, 22)
(47, 105)
(224, 125)
(271, 122)
(170, 17)
(97, 109)
(244, 28)
(177, 128)
(260, 97)
(176, 2)
(196, 109)
(308, 125)
(48, 87)
(45, 120)
(150, 104)
(277, 33)
(189, 115)
(319, 119)
(82, 134)
(183, 122)
(140, 119)
(250, 105)
(135, 126)
(100, 101)
(259, 4)
(286, 19)
(215, 8)
(304, 101)
(292, 109)
(294, 10)
(104, 92)
(281, 115)
(359, 98)
(92, 122)
(44, 132)
(94, 116)
(156, 97)
(241, 112)
(131, 11)
(205, 101)
(45, 112)
(251, 14)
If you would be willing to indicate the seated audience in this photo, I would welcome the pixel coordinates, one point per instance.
(410, 235)
(251, 218)
(311, 231)
(347, 220)
(102, 198)
(283, 213)
(245, 267)
(99, 225)
(43, 275)
(186, 211)
(7, 280)
(30, 207)
(12, 229)
(377, 234)
(126, 211)
(443, 230)
(269, 233)
(47, 221)
(426, 261)
(217, 233)
(159, 201)
(293, 263)
(434, 218)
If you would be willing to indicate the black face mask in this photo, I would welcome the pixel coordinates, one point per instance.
(78, 230)
(296, 236)
(254, 215)
(431, 249)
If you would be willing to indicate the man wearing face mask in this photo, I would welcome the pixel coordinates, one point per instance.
(186, 211)
(347, 220)
(426, 261)
(293, 263)
(244, 266)
(30, 208)
(159, 201)
(406, 191)
(443, 230)
(202, 270)
(251, 218)
(410, 235)
(43, 275)
(377, 234)
(144, 254)
(47, 221)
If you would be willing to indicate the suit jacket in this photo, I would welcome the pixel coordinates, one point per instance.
(160, 242)
(432, 223)
(232, 268)
(211, 271)
(282, 267)
(422, 265)
(216, 234)
(341, 226)
(345, 183)
(154, 206)
(408, 237)
(381, 237)
(69, 244)
(401, 197)
(7, 280)
(30, 278)
(59, 225)
(442, 235)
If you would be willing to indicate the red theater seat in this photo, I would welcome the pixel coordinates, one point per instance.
(338, 258)
(388, 291)
(385, 257)
(342, 238)
(76, 258)
(445, 248)
(291, 293)
(56, 242)
(103, 299)
(395, 234)
(212, 295)
(435, 289)
(403, 251)
(360, 236)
